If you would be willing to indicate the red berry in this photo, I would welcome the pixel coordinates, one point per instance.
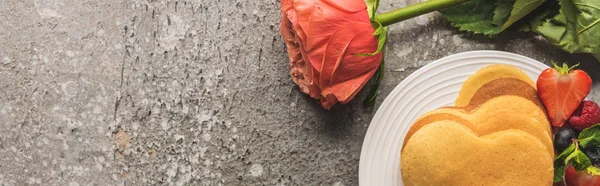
(574, 178)
(586, 115)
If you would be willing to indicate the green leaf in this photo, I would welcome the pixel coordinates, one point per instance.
(382, 39)
(381, 34)
(474, 16)
(520, 9)
(566, 152)
(485, 17)
(575, 29)
(559, 170)
(372, 6)
(580, 160)
(593, 170)
(560, 163)
(547, 10)
(590, 137)
(371, 98)
(502, 11)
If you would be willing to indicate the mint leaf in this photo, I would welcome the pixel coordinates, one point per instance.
(566, 152)
(575, 29)
(593, 170)
(560, 164)
(590, 137)
(559, 170)
(580, 160)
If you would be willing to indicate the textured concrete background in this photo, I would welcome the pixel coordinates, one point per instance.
(195, 92)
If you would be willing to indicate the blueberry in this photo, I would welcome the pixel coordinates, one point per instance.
(563, 138)
(593, 153)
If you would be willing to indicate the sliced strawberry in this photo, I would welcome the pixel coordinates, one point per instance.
(574, 178)
(562, 89)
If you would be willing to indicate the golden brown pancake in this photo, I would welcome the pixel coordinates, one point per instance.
(496, 134)
(493, 106)
(449, 153)
(482, 124)
(495, 80)
(504, 86)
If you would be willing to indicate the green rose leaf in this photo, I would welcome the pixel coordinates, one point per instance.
(478, 19)
(371, 98)
(547, 10)
(381, 34)
(575, 29)
(501, 12)
(520, 9)
(484, 17)
(372, 6)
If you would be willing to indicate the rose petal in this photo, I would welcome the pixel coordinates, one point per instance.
(344, 72)
(300, 71)
(354, 64)
(300, 17)
(348, 6)
(344, 92)
(337, 47)
(286, 5)
(324, 21)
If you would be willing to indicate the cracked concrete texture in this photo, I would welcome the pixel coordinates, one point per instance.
(195, 92)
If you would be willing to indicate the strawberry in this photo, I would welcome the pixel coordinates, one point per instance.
(562, 89)
(585, 116)
(574, 178)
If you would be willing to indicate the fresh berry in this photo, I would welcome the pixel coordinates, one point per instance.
(585, 116)
(574, 178)
(562, 89)
(593, 153)
(564, 138)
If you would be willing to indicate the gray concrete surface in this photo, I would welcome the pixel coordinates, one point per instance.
(144, 92)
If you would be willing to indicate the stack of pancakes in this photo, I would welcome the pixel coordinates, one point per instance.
(496, 134)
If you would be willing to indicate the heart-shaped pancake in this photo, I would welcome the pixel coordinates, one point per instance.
(449, 153)
(487, 123)
(507, 103)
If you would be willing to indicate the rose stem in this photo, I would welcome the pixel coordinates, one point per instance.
(415, 10)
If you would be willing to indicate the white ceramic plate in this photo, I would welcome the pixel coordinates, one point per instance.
(432, 86)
